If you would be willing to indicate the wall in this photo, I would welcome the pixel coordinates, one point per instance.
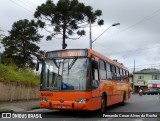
(14, 91)
(142, 85)
(146, 77)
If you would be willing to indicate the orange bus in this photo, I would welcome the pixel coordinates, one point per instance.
(82, 79)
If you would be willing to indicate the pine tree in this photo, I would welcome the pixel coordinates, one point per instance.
(66, 18)
(21, 44)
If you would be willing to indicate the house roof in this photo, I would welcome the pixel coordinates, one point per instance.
(148, 71)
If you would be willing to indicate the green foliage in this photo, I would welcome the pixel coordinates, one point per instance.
(67, 17)
(1, 35)
(20, 46)
(11, 74)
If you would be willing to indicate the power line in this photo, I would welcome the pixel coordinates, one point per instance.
(97, 43)
(104, 47)
(128, 51)
(21, 6)
(136, 50)
(30, 3)
(146, 18)
(139, 22)
(153, 64)
(24, 3)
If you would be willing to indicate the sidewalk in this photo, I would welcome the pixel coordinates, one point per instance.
(18, 106)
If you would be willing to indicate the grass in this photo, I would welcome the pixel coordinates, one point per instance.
(11, 74)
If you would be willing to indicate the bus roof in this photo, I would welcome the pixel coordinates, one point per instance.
(67, 53)
(81, 53)
(90, 51)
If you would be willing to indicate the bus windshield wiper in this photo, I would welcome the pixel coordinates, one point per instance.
(55, 63)
(58, 66)
(72, 63)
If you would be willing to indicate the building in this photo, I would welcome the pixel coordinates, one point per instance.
(146, 79)
(131, 81)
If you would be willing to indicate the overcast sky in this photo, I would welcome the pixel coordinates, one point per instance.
(136, 38)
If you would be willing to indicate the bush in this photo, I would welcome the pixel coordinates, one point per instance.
(11, 74)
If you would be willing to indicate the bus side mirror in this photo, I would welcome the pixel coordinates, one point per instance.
(37, 66)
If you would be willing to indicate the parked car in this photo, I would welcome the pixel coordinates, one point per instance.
(146, 92)
(152, 92)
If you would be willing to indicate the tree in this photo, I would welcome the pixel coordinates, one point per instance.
(1, 35)
(67, 17)
(20, 46)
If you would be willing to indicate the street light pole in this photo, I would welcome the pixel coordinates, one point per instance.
(90, 34)
(115, 24)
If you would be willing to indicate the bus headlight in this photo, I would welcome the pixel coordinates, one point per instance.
(43, 99)
(81, 100)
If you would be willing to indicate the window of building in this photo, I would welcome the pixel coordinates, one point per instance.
(140, 77)
(155, 77)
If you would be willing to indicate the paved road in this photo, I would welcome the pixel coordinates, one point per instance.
(145, 103)
(18, 106)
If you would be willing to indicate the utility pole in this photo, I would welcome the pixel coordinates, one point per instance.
(133, 76)
(90, 34)
(90, 37)
(134, 66)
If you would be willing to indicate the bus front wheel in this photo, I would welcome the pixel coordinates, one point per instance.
(103, 104)
(124, 99)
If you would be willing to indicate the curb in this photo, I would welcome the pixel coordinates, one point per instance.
(35, 108)
(6, 111)
(13, 111)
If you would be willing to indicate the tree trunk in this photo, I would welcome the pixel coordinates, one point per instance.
(64, 45)
(64, 36)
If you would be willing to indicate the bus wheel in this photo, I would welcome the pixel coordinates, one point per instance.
(124, 99)
(103, 104)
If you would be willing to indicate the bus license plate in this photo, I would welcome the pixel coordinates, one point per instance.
(61, 106)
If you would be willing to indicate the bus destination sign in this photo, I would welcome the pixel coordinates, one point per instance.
(66, 53)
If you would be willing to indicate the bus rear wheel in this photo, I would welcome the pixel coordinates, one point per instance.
(103, 104)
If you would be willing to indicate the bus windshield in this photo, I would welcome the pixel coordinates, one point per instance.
(65, 74)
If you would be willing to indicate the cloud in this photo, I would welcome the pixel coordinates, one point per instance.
(137, 37)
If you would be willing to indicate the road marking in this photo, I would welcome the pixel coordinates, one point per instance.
(139, 119)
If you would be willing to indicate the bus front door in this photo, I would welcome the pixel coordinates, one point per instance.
(96, 101)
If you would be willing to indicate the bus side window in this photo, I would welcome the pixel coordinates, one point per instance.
(121, 75)
(124, 74)
(118, 73)
(108, 69)
(113, 68)
(95, 82)
(102, 69)
(127, 76)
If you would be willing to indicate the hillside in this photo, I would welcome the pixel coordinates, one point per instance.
(11, 74)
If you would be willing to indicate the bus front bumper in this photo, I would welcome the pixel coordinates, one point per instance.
(66, 105)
